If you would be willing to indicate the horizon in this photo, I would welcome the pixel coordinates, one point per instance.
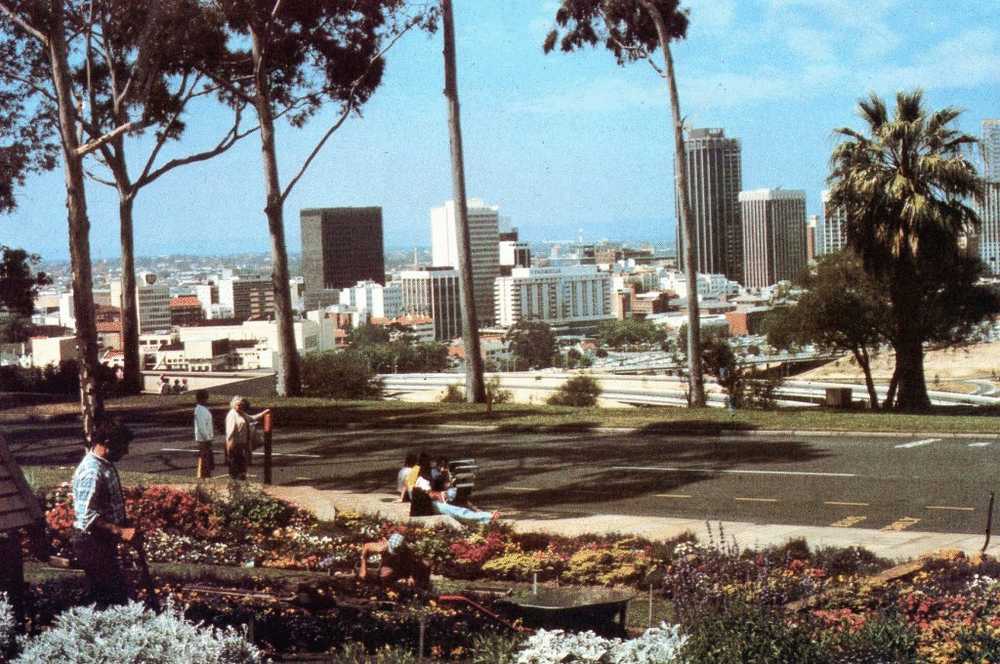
(564, 144)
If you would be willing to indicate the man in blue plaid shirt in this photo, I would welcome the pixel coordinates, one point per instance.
(100, 522)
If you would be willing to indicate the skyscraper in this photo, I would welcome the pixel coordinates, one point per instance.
(433, 292)
(714, 174)
(340, 247)
(152, 301)
(484, 239)
(774, 235)
(834, 226)
(989, 208)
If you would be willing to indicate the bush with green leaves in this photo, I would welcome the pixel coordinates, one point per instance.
(340, 374)
(355, 653)
(581, 390)
(130, 633)
(8, 626)
(453, 394)
(497, 394)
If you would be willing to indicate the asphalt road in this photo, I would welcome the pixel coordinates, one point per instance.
(883, 483)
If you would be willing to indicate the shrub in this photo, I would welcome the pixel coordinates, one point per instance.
(494, 648)
(581, 390)
(453, 394)
(659, 645)
(882, 639)
(355, 653)
(497, 394)
(617, 565)
(8, 626)
(131, 634)
(249, 509)
(849, 560)
(977, 644)
(517, 565)
(343, 374)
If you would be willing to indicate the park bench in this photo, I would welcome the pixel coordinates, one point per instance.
(463, 478)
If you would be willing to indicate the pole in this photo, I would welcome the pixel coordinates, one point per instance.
(267, 448)
(989, 523)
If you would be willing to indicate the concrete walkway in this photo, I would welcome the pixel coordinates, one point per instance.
(898, 546)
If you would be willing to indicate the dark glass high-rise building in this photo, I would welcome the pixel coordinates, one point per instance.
(714, 174)
(340, 247)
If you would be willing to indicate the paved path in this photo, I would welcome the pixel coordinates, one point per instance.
(899, 546)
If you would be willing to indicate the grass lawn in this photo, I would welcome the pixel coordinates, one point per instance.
(305, 412)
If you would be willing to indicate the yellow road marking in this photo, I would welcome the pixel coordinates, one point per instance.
(848, 521)
(757, 500)
(844, 504)
(901, 524)
(956, 509)
(672, 495)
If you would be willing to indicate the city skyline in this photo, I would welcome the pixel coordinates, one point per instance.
(562, 142)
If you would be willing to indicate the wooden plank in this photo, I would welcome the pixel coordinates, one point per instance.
(15, 520)
(21, 509)
(15, 503)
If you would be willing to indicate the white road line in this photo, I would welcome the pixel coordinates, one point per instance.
(260, 454)
(672, 495)
(757, 500)
(838, 503)
(980, 444)
(733, 471)
(521, 488)
(950, 508)
(916, 443)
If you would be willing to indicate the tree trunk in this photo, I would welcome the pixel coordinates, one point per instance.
(910, 369)
(475, 389)
(91, 403)
(861, 357)
(890, 396)
(130, 312)
(289, 379)
(697, 398)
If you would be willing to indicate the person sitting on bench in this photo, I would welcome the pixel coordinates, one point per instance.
(399, 563)
(403, 474)
(436, 495)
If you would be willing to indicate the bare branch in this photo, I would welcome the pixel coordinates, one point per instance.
(87, 148)
(348, 108)
(10, 75)
(101, 180)
(24, 25)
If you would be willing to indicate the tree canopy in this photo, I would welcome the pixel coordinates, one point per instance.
(18, 284)
(532, 342)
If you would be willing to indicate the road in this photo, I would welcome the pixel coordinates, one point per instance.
(914, 484)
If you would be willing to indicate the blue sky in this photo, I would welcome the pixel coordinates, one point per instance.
(562, 142)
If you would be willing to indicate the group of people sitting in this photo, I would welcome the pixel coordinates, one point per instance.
(426, 484)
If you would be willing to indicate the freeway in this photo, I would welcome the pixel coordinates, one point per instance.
(916, 484)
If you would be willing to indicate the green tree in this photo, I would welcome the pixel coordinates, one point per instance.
(632, 30)
(18, 284)
(904, 188)
(367, 335)
(343, 374)
(843, 309)
(581, 390)
(532, 342)
(618, 334)
(303, 56)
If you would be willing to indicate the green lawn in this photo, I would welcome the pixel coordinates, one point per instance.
(303, 412)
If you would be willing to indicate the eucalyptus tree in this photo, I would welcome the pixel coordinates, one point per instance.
(289, 59)
(190, 39)
(905, 187)
(42, 40)
(475, 386)
(632, 30)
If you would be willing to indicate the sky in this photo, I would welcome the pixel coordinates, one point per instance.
(564, 144)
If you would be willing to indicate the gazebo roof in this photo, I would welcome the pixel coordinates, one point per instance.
(18, 506)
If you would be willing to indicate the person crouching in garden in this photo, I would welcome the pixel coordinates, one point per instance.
(100, 523)
(399, 563)
(239, 436)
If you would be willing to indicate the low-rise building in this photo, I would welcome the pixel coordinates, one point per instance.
(559, 296)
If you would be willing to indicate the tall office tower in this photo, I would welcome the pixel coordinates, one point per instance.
(990, 146)
(513, 252)
(774, 235)
(715, 179)
(834, 226)
(812, 226)
(340, 247)
(433, 292)
(484, 239)
(152, 302)
(988, 237)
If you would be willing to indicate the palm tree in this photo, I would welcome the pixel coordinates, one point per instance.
(904, 188)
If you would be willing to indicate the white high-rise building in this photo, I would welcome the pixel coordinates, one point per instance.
(556, 295)
(834, 227)
(433, 293)
(988, 237)
(484, 238)
(774, 235)
(374, 300)
(152, 302)
(990, 146)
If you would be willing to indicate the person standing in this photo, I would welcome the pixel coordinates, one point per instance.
(99, 506)
(204, 435)
(239, 436)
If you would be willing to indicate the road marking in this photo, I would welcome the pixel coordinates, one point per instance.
(901, 524)
(521, 488)
(757, 500)
(672, 495)
(848, 521)
(916, 443)
(980, 444)
(260, 454)
(838, 503)
(733, 471)
(953, 509)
